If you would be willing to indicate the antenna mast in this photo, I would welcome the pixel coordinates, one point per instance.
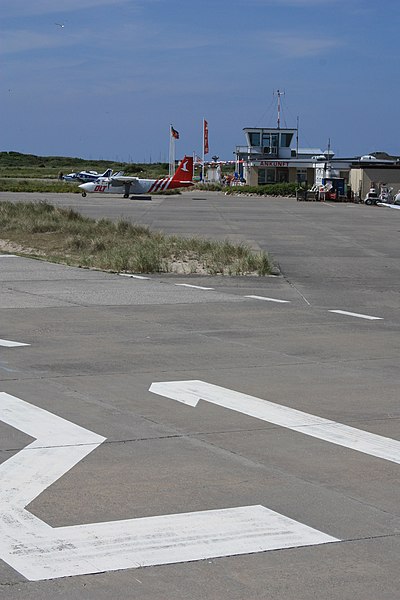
(279, 94)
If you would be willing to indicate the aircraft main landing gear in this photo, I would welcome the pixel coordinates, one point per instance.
(127, 187)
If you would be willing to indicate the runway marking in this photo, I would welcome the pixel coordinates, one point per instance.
(8, 256)
(197, 287)
(10, 344)
(190, 392)
(39, 551)
(352, 314)
(268, 299)
(133, 276)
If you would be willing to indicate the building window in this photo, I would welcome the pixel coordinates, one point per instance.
(269, 143)
(266, 139)
(283, 175)
(274, 141)
(266, 176)
(254, 139)
(286, 139)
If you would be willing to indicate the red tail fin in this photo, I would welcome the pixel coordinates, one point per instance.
(185, 170)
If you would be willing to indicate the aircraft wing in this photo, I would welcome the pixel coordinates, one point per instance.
(121, 179)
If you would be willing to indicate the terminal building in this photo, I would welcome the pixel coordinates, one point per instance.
(272, 155)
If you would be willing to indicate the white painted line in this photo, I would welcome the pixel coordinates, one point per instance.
(190, 392)
(10, 344)
(39, 551)
(133, 276)
(268, 299)
(8, 256)
(351, 314)
(197, 287)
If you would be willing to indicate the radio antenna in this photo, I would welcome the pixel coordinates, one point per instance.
(279, 94)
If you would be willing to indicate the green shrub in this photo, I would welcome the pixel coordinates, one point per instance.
(272, 189)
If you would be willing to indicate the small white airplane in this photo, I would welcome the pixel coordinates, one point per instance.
(85, 176)
(127, 185)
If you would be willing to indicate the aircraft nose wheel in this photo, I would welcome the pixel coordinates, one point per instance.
(83, 194)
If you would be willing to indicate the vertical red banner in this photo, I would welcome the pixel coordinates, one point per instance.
(205, 141)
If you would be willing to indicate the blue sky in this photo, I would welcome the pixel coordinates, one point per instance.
(112, 80)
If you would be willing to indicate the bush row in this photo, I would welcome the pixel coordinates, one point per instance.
(273, 189)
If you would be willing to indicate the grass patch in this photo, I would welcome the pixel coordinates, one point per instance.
(65, 236)
(28, 166)
(32, 185)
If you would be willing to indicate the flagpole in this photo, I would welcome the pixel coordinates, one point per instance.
(202, 164)
(206, 147)
(171, 153)
(172, 156)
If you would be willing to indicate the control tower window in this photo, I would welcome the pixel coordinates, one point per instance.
(266, 139)
(254, 139)
(286, 139)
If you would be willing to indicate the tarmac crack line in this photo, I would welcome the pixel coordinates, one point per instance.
(48, 297)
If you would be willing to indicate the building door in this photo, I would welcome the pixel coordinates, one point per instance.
(282, 175)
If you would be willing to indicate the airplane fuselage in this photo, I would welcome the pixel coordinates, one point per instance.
(106, 185)
(126, 185)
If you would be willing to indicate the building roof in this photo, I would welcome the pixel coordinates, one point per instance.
(384, 156)
(311, 151)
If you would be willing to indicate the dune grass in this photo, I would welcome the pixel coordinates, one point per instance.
(65, 236)
(38, 186)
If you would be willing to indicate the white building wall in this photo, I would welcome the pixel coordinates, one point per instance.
(361, 180)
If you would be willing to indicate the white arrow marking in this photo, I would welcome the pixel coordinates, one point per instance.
(352, 314)
(268, 299)
(10, 344)
(190, 392)
(39, 551)
(196, 287)
(133, 276)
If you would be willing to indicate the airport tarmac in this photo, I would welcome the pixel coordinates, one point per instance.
(205, 437)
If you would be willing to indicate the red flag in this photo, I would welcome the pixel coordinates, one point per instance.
(174, 133)
(205, 142)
